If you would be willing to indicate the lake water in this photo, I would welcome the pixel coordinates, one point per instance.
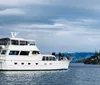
(78, 74)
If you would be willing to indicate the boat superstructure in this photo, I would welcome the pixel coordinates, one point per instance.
(23, 54)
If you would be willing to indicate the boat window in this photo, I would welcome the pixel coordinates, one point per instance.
(14, 42)
(31, 42)
(24, 53)
(54, 58)
(43, 58)
(22, 63)
(23, 42)
(5, 41)
(36, 63)
(3, 52)
(35, 52)
(29, 63)
(47, 58)
(15, 63)
(13, 52)
(50, 58)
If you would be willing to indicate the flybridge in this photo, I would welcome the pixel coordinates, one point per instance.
(16, 41)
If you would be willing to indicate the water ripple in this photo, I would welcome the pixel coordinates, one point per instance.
(76, 75)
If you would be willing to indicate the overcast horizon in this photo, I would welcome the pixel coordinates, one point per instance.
(56, 25)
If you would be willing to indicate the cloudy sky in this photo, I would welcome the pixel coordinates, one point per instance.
(56, 25)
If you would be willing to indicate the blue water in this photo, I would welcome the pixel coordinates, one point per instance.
(78, 74)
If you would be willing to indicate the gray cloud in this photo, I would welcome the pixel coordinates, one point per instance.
(60, 25)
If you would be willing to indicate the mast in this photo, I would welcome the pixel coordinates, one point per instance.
(14, 34)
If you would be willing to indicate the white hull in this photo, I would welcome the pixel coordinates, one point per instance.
(22, 54)
(42, 65)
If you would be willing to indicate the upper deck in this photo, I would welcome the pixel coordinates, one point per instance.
(16, 41)
(17, 44)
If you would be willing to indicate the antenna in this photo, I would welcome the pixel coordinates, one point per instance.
(14, 34)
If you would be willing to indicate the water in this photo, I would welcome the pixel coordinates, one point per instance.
(78, 74)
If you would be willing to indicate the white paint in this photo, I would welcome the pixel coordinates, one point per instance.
(7, 62)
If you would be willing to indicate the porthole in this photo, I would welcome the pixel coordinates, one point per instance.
(29, 63)
(15, 63)
(22, 63)
(36, 63)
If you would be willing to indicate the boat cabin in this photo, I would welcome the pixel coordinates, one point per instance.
(20, 46)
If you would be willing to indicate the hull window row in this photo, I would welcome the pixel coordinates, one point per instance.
(30, 63)
(23, 63)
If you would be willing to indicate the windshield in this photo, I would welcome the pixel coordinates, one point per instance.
(35, 52)
(31, 42)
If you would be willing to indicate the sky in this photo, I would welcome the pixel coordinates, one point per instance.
(56, 25)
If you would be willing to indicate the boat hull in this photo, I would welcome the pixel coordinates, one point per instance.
(33, 65)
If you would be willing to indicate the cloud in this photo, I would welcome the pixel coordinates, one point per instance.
(60, 25)
(83, 4)
(60, 29)
(70, 35)
(21, 2)
(12, 11)
(9, 3)
(43, 27)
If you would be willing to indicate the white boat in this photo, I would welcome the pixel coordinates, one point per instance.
(23, 54)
